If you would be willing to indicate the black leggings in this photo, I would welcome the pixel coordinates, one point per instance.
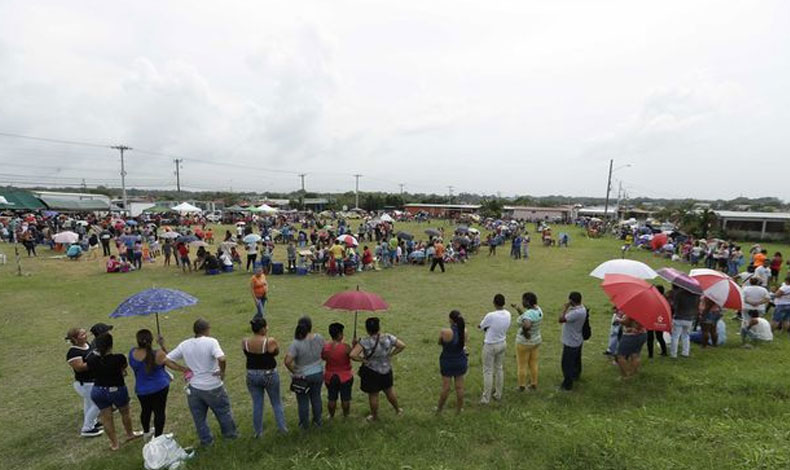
(153, 403)
(659, 336)
(251, 261)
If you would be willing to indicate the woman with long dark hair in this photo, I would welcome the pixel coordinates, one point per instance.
(304, 362)
(453, 361)
(109, 389)
(262, 377)
(375, 351)
(152, 382)
(528, 340)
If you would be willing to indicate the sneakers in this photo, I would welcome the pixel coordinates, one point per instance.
(96, 431)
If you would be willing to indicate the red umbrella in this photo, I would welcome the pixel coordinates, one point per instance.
(719, 287)
(639, 300)
(658, 241)
(356, 300)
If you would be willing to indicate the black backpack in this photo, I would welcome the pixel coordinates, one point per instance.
(586, 329)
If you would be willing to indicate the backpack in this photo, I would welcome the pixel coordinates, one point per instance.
(586, 329)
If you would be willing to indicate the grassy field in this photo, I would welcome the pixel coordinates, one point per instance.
(723, 408)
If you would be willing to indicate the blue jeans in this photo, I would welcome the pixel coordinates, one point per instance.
(200, 401)
(680, 334)
(260, 382)
(311, 398)
(614, 338)
(260, 307)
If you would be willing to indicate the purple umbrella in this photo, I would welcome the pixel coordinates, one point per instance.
(680, 279)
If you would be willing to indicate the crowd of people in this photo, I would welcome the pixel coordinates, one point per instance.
(315, 363)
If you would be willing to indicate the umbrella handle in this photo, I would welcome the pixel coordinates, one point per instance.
(355, 324)
(158, 333)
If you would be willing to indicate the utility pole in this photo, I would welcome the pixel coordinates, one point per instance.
(401, 189)
(450, 191)
(301, 176)
(608, 189)
(84, 185)
(178, 174)
(123, 148)
(356, 191)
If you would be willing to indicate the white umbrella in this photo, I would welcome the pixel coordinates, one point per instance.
(387, 218)
(624, 266)
(66, 237)
(198, 244)
(252, 238)
(170, 235)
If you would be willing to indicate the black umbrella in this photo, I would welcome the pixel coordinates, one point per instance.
(462, 229)
(186, 239)
(461, 241)
(405, 236)
(432, 232)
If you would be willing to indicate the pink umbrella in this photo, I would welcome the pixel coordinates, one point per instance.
(719, 287)
(354, 301)
(680, 279)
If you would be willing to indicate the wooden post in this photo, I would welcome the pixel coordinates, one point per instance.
(18, 259)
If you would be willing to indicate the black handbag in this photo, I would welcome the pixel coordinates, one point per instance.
(300, 386)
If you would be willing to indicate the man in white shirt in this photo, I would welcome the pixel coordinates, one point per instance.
(755, 329)
(755, 297)
(203, 355)
(495, 325)
(782, 303)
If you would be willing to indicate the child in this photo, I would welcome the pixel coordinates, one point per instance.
(183, 254)
(291, 257)
(113, 265)
(167, 248)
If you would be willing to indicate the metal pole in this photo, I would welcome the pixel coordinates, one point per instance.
(608, 189)
(178, 175)
(123, 148)
(356, 192)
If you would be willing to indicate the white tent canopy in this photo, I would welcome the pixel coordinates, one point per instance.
(186, 208)
(266, 209)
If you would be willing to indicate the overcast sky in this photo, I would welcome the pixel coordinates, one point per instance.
(487, 96)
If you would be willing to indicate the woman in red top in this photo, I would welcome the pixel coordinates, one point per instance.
(776, 266)
(338, 376)
(367, 258)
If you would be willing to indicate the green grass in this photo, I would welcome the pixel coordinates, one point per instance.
(724, 408)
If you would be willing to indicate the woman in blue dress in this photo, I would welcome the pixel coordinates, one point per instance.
(453, 360)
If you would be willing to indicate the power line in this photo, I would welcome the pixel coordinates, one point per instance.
(56, 141)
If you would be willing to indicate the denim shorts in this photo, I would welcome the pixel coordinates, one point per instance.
(105, 397)
(631, 344)
(781, 313)
(335, 388)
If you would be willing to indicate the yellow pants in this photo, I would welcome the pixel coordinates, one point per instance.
(527, 356)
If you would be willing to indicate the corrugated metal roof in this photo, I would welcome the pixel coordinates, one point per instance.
(743, 215)
(67, 204)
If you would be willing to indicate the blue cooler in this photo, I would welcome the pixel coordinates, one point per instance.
(301, 271)
(277, 268)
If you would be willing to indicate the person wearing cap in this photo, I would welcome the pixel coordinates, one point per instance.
(97, 330)
(260, 291)
(204, 356)
(83, 380)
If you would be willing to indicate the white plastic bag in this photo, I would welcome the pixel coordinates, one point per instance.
(163, 452)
